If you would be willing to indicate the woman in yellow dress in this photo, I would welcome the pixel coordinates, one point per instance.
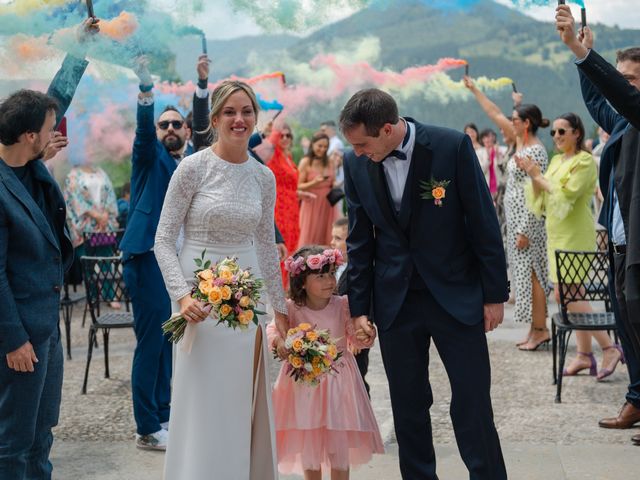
(563, 194)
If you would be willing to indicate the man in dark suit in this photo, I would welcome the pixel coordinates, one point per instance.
(613, 99)
(424, 242)
(157, 149)
(35, 251)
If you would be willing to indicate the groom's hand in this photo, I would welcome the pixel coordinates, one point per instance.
(493, 315)
(365, 332)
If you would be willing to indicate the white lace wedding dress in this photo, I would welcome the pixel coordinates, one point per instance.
(221, 425)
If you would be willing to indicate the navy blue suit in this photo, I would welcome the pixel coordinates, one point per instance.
(430, 270)
(595, 69)
(152, 167)
(35, 252)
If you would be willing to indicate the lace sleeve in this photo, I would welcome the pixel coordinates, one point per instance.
(183, 185)
(265, 245)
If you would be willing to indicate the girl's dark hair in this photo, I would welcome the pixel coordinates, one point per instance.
(487, 132)
(316, 138)
(532, 113)
(576, 123)
(297, 292)
(473, 127)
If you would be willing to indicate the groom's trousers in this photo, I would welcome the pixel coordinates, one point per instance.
(464, 353)
(151, 369)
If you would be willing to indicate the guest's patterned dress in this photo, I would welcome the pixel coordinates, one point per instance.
(521, 221)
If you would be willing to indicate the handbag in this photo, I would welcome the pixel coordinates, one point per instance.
(335, 195)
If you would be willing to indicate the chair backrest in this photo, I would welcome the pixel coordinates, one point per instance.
(103, 282)
(582, 276)
(602, 240)
(102, 243)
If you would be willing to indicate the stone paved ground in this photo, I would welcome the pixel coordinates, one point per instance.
(523, 399)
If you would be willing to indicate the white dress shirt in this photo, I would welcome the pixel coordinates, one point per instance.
(396, 170)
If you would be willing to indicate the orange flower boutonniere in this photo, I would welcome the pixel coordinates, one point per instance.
(434, 190)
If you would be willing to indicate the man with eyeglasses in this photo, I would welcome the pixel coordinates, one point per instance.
(613, 99)
(157, 149)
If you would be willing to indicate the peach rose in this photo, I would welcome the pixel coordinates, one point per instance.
(205, 275)
(297, 345)
(311, 336)
(296, 362)
(332, 351)
(205, 287)
(438, 193)
(215, 296)
(305, 327)
(226, 274)
(245, 317)
(226, 293)
(225, 310)
(292, 331)
(244, 301)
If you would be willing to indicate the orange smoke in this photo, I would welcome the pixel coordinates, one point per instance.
(121, 27)
(30, 49)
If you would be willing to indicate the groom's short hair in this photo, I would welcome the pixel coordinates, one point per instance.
(372, 108)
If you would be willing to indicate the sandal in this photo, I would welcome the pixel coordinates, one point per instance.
(537, 345)
(593, 368)
(605, 372)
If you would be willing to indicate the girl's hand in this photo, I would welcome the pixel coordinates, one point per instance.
(282, 324)
(193, 310)
(282, 351)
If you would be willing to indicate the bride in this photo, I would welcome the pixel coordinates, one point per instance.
(221, 422)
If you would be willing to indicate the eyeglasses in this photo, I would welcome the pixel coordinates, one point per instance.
(287, 135)
(560, 131)
(176, 124)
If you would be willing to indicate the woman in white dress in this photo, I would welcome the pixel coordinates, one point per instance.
(221, 424)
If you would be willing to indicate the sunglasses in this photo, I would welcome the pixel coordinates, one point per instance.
(560, 131)
(287, 135)
(176, 124)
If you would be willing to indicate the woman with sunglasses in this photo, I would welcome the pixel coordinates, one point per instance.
(564, 195)
(221, 421)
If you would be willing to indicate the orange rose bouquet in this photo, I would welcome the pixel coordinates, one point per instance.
(229, 292)
(312, 354)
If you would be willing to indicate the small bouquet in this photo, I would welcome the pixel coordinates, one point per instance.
(312, 354)
(231, 294)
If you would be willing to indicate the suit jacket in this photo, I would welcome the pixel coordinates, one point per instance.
(454, 250)
(604, 89)
(33, 259)
(152, 167)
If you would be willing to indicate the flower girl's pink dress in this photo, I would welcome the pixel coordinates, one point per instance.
(330, 425)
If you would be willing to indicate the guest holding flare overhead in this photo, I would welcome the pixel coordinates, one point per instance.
(221, 423)
(317, 175)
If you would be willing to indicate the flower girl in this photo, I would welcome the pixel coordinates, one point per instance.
(330, 426)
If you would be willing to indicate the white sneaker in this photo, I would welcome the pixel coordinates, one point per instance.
(165, 426)
(153, 441)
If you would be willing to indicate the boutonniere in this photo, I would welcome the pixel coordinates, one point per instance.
(434, 190)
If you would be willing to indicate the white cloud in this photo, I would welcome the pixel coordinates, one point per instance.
(624, 13)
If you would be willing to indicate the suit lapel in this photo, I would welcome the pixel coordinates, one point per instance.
(381, 191)
(20, 193)
(421, 159)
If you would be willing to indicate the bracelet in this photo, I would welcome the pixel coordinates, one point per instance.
(145, 88)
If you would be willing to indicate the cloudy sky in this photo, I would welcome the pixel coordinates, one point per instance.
(624, 13)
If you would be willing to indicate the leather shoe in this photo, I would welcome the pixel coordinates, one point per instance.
(627, 418)
(636, 439)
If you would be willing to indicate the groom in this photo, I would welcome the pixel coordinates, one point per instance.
(426, 260)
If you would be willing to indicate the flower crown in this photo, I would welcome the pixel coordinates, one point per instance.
(296, 265)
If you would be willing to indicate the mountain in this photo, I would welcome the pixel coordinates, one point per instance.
(496, 40)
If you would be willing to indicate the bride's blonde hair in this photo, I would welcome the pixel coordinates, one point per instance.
(222, 93)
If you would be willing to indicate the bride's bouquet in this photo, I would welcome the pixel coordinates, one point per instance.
(231, 293)
(312, 354)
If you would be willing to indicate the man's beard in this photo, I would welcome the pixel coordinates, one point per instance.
(172, 143)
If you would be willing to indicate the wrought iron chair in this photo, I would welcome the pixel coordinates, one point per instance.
(582, 276)
(67, 301)
(103, 284)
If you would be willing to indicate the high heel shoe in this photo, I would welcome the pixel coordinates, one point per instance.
(605, 372)
(544, 342)
(593, 367)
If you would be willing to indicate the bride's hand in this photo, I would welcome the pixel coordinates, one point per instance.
(193, 310)
(282, 323)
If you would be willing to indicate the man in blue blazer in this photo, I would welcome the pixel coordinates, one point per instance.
(35, 251)
(157, 149)
(425, 244)
(613, 100)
